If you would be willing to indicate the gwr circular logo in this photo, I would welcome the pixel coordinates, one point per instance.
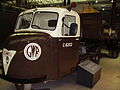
(32, 51)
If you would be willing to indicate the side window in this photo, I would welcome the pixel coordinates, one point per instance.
(67, 21)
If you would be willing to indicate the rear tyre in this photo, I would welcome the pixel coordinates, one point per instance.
(114, 53)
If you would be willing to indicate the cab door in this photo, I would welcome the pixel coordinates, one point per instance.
(68, 46)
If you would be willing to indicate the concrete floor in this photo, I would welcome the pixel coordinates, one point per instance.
(110, 79)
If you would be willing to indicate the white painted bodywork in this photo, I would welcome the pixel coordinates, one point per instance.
(57, 32)
(7, 58)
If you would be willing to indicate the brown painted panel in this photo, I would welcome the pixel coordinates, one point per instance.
(68, 55)
(58, 56)
(22, 68)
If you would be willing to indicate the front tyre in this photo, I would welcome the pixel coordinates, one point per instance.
(114, 53)
(23, 86)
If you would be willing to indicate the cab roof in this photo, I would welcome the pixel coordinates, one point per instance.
(51, 9)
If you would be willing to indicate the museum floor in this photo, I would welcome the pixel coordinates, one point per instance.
(110, 79)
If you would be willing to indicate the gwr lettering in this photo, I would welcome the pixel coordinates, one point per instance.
(32, 51)
(67, 44)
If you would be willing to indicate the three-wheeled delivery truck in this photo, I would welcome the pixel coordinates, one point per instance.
(45, 45)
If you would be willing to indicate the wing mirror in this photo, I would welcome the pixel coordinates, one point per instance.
(73, 29)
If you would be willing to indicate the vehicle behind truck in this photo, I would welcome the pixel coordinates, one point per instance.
(91, 36)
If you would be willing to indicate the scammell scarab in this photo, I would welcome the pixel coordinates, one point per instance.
(45, 45)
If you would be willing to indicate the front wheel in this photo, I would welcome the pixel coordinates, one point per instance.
(114, 53)
(23, 86)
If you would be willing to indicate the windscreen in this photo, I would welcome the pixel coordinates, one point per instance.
(24, 21)
(45, 20)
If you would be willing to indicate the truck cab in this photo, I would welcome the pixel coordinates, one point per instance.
(45, 45)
